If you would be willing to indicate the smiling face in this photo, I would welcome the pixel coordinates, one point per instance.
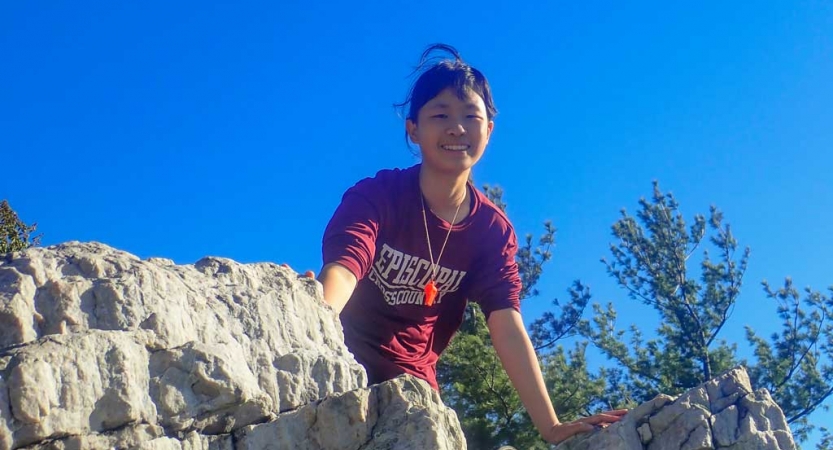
(451, 132)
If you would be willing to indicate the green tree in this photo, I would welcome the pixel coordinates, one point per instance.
(652, 262)
(655, 260)
(826, 441)
(14, 234)
(475, 385)
(796, 366)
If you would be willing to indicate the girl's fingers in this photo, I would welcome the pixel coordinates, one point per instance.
(604, 418)
(308, 273)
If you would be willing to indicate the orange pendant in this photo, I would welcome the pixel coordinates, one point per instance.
(430, 293)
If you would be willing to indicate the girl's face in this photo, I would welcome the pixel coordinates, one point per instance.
(452, 133)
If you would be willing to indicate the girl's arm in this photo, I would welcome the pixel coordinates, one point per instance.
(338, 283)
(518, 357)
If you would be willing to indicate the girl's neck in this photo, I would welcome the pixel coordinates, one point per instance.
(444, 193)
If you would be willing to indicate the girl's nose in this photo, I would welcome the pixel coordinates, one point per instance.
(457, 130)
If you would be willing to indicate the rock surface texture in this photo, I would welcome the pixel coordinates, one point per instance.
(99, 349)
(723, 413)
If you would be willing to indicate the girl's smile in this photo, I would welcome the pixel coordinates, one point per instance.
(455, 148)
(452, 130)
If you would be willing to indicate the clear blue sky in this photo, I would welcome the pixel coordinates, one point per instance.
(224, 129)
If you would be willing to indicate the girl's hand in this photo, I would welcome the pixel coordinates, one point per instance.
(308, 273)
(562, 431)
(338, 284)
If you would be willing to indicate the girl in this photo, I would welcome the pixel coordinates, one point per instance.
(406, 249)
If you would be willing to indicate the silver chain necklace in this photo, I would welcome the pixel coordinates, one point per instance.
(431, 287)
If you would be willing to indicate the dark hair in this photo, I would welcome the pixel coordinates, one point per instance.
(439, 75)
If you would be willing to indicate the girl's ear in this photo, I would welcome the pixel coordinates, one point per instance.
(411, 129)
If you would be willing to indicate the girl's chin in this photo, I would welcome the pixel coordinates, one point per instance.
(448, 160)
(450, 167)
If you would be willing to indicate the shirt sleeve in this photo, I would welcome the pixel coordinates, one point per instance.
(497, 283)
(350, 236)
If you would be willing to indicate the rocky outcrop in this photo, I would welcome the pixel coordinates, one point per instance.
(99, 349)
(723, 413)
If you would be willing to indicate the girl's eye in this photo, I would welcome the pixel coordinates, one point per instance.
(473, 116)
(440, 116)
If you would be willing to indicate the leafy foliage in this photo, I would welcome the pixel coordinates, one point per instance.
(796, 366)
(651, 262)
(826, 441)
(691, 276)
(476, 386)
(14, 234)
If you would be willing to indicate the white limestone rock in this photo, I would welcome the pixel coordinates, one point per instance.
(722, 413)
(93, 339)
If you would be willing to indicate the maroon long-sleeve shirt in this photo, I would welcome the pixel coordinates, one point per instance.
(377, 232)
